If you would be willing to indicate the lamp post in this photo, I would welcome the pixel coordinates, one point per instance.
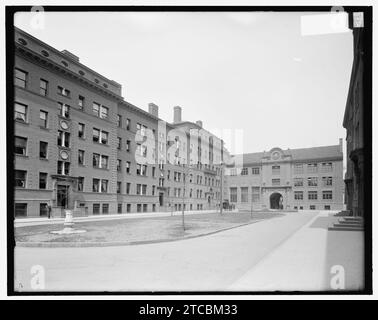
(183, 197)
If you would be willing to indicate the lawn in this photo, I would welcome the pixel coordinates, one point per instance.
(140, 230)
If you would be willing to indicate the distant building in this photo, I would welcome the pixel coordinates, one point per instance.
(353, 122)
(77, 144)
(310, 178)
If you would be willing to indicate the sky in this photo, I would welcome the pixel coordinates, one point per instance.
(253, 74)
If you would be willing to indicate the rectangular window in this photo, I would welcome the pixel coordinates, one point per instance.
(104, 112)
(104, 186)
(104, 162)
(43, 210)
(43, 149)
(255, 194)
(119, 186)
(119, 120)
(104, 137)
(128, 165)
(298, 195)
(139, 207)
(232, 172)
(43, 87)
(312, 195)
(96, 208)
(20, 210)
(119, 165)
(128, 124)
(20, 145)
(119, 143)
(100, 136)
(153, 190)
(298, 168)
(145, 208)
(80, 102)
(244, 194)
(96, 109)
(128, 142)
(327, 195)
(312, 207)
(276, 182)
(298, 182)
(255, 170)
(276, 170)
(128, 187)
(42, 180)
(20, 112)
(312, 167)
(63, 168)
(144, 189)
(20, 178)
(80, 184)
(96, 135)
(64, 110)
(20, 78)
(154, 207)
(128, 208)
(327, 207)
(244, 171)
(233, 194)
(81, 157)
(105, 208)
(63, 91)
(312, 181)
(138, 189)
(119, 208)
(327, 167)
(43, 116)
(81, 131)
(96, 160)
(63, 139)
(96, 185)
(153, 172)
(327, 181)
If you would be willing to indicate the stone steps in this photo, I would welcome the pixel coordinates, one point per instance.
(348, 224)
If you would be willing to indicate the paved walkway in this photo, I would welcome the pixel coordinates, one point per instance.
(284, 253)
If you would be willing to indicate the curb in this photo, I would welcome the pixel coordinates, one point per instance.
(120, 243)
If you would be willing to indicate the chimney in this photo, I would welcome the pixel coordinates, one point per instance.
(71, 55)
(153, 109)
(199, 123)
(341, 144)
(176, 114)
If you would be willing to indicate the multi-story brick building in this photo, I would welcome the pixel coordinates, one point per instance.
(310, 178)
(80, 145)
(358, 104)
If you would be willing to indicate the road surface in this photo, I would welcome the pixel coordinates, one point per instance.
(284, 253)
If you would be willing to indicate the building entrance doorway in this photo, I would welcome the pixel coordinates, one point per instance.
(276, 201)
(161, 199)
(62, 196)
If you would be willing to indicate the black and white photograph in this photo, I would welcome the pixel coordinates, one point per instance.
(213, 150)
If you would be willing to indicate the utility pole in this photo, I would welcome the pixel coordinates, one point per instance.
(221, 189)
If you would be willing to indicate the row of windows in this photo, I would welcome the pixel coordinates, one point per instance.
(313, 181)
(313, 207)
(313, 195)
(20, 80)
(276, 170)
(98, 109)
(244, 194)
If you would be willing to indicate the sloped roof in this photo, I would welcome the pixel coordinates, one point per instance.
(321, 153)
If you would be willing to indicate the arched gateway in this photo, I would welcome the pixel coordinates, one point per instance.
(276, 201)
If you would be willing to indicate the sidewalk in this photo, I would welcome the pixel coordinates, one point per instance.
(25, 222)
(302, 261)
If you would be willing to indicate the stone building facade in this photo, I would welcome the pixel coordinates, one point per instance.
(299, 179)
(79, 144)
